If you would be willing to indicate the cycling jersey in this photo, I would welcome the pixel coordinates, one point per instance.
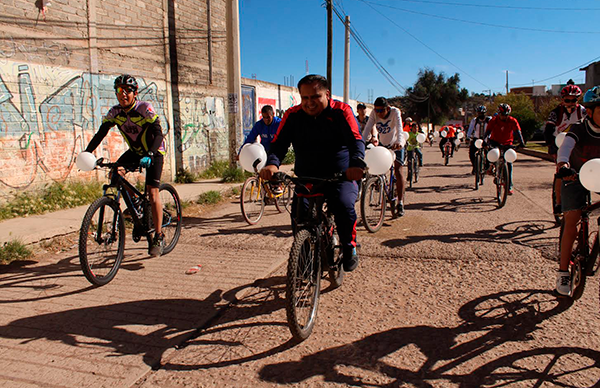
(266, 132)
(388, 129)
(558, 121)
(324, 145)
(139, 125)
(412, 143)
(586, 144)
(477, 128)
(450, 132)
(504, 131)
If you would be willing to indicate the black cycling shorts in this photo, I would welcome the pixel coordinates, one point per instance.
(153, 173)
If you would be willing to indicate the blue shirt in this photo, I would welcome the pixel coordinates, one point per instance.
(266, 132)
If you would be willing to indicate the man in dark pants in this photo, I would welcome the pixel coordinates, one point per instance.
(326, 141)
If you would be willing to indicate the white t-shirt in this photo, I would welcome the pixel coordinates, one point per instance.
(387, 130)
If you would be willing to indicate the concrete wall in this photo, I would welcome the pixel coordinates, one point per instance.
(56, 82)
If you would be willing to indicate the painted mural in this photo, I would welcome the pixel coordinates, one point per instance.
(48, 114)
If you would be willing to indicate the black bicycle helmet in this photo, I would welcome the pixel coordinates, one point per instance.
(481, 109)
(126, 80)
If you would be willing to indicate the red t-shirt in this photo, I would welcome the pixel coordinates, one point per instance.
(450, 131)
(501, 131)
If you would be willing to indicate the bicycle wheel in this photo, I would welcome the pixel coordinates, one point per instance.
(557, 216)
(172, 218)
(334, 267)
(410, 172)
(252, 200)
(416, 169)
(372, 204)
(477, 170)
(578, 275)
(101, 241)
(303, 285)
(481, 168)
(446, 155)
(502, 185)
(393, 197)
(284, 201)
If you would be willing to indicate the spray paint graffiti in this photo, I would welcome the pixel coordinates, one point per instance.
(40, 140)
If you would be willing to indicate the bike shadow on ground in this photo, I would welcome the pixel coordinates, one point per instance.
(527, 233)
(443, 354)
(483, 204)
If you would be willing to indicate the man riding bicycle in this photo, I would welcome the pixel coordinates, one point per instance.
(581, 144)
(450, 137)
(560, 118)
(502, 130)
(140, 126)
(477, 129)
(326, 140)
(385, 128)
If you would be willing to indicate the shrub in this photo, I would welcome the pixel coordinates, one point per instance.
(210, 197)
(13, 250)
(235, 174)
(216, 170)
(184, 176)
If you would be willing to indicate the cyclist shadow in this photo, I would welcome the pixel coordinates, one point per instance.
(488, 323)
(458, 205)
(442, 189)
(146, 327)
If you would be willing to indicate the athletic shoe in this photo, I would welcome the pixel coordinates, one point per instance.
(157, 245)
(350, 260)
(563, 283)
(400, 209)
(511, 192)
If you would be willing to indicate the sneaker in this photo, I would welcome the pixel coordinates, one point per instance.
(350, 260)
(157, 245)
(400, 209)
(563, 283)
(511, 192)
(277, 190)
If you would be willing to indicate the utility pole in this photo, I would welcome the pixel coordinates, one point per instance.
(506, 81)
(234, 79)
(347, 61)
(329, 41)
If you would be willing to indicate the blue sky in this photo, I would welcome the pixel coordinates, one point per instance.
(450, 36)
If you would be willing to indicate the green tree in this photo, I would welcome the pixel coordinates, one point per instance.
(434, 96)
(522, 110)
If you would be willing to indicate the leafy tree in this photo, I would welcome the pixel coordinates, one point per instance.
(522, 110)
(434, 96)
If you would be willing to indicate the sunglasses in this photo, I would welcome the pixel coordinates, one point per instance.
(570, 100)
(126, 89)
(379, 110)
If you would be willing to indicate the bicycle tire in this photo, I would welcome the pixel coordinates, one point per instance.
(578, 276)
(477, 169)
(172, 217)
(101, 267)
(393, 197)
(446, 155)
(303, 285)
(252, 201)
(283, 201)
(335, 269)
(502, 185)
(481, 167)
(557, 217)
(372, 204)
(416, 169)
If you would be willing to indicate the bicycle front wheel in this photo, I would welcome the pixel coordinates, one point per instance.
(172, 218)
(477, 170)
(284, 200)
(502, 185)
(252, 200)
(557, 216)
(101, 241)
(372, 204)
(303, 285)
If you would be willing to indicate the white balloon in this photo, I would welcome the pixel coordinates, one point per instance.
(250, 153)
(402, 141)
(421, 138)
(493, 155)
(510, 155)
(436, 133)
(379, 160)
(405, 135)
(560, 138)
(443, 133)
(478, 143)
(457, 141)
(393, 153)
(589, 175)
(460, 135)
(369, 146)
(86, 161)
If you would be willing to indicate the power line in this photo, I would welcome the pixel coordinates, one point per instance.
(501, 6)
(479, 23)
(423, 43)
(563, 73)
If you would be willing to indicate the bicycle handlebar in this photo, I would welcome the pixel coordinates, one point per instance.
(130, 166)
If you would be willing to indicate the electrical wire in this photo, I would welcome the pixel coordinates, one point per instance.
(501, 6)
(563, 73)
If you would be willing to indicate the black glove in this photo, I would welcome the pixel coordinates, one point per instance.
(564, 172)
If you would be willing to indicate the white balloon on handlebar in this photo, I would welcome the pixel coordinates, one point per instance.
(86, 161)
(443, 133)
(460, 135)
(250, 153)
(379, 160)
(589, 175)
(436, 133)
(510, 155)
(405, 135)
(456, 141)
(421, 138)
(560, 138)
(493, 155)
(479, 143)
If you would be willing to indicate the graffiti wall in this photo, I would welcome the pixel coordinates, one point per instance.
(49, 113)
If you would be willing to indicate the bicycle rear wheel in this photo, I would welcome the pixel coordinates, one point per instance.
(252, 200)
(410, 172)
(557, 216)
(372, 204)
(172, 218)
(303, 285)
(502, 185)
(446, 155)
(416, 169)
(101, 241)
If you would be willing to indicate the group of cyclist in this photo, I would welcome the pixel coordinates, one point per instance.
(341, 147)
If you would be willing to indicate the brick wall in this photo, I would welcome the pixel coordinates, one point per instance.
(56, 83)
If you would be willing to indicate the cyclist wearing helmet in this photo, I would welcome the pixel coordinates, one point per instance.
(581, 144)
(139, 124)
(560, 118)
(502, 130)
(477, 129)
